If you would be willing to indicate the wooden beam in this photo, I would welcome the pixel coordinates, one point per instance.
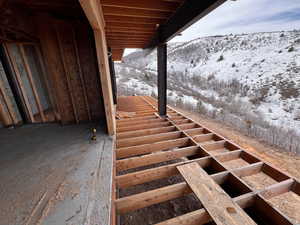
(130, 25)
(93, 11)
(141, 200)
(112, 11)
(137, 201)
(141, 122)
(218, 204)
(148, 148)
(138, 133)
(153, 5)
(277, 189)
(20, 83)
(133, 20)
(149, 139)
(134, 162)
(32, 83)
(201, 216)
(136, 118)
(144, 126)
(105, 80)
(144, 176)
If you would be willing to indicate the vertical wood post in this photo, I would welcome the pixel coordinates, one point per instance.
(93, 11)
(162, 78)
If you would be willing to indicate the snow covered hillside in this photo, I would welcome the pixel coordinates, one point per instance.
(249, 80)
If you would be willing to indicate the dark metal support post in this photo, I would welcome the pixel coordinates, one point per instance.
(162, 78)
(113, 77)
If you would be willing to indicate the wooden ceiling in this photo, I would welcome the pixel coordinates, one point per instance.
(129, 23)
(133, 23)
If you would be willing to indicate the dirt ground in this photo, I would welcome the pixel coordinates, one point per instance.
(275, 156)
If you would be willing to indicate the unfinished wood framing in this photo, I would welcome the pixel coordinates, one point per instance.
(32, 83)
(20, 83)
(7, 112)
(205, 160)
(92, 9)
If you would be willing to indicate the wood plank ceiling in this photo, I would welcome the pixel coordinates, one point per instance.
(132, 23)
(129, 23)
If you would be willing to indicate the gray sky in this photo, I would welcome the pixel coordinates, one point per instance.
(245, 16)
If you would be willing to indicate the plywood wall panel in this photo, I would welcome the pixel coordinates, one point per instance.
(71, 63)
(55, 69)
(88, 60)
(68, 54)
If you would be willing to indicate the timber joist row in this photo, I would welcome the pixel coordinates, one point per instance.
(148, 146)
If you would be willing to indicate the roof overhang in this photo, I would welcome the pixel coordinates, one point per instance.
(146, 24)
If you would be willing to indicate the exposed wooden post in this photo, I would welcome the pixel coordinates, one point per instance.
(93, 11)
(113, 76)
(162, 78)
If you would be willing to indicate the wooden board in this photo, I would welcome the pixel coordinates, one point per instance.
(218, 204)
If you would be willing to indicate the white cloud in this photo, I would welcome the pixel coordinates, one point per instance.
(245, 16)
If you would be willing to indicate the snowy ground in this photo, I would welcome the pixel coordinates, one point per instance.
(255, 77)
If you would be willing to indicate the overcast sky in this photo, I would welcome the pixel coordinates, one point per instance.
(245, 16)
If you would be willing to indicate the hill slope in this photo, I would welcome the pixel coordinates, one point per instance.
(250, 80)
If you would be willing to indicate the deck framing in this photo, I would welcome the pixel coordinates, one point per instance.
(144, 141)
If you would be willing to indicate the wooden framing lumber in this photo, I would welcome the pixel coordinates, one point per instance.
(32, 83)
(82, 82)
(131, 134)
(20, 83)
(141, 200)
(218, 189)
(134, 202)
(150, 148)
(132, 123)
(148, 139)
(10, 117)
(52, 96)
(148, 175)
(93, 11)
(155, 5)
(135, 118)
(143, 126)
(4, 114)
(68, 77)
(157, 157)
(218, 204)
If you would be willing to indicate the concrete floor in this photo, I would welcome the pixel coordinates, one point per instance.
(52, 174)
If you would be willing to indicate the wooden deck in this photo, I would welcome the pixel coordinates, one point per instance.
(145, 140)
